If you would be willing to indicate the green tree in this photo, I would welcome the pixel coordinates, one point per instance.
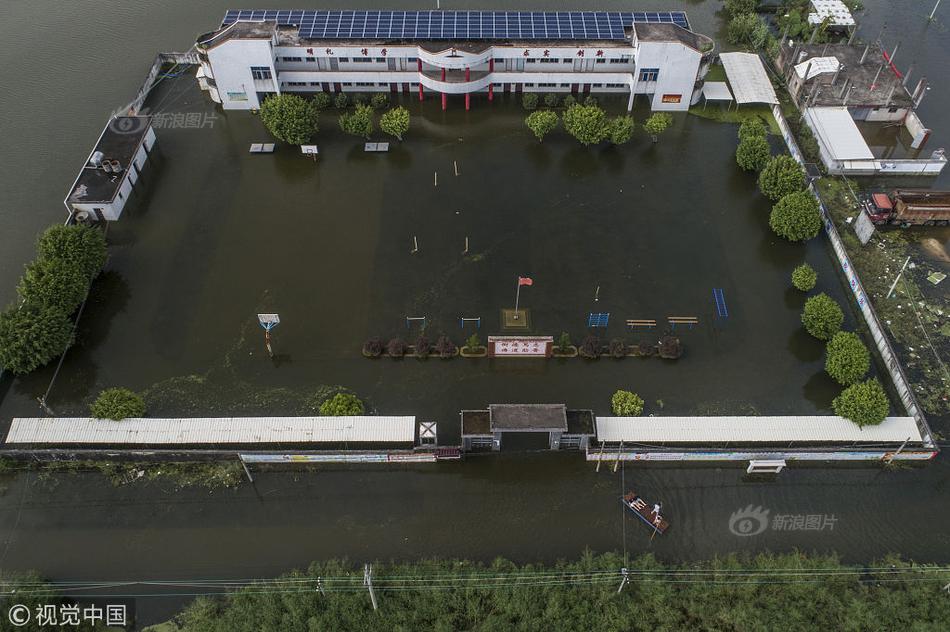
(551, 100)
(341, 100)
(473, 342)
(564, 342)
(322, 100)
(804, 277)
(822, 316)
(747, 28)
(753, 153)
(541, 123)
(81, 247)
(31, 336)
(864, 403)
(796, 216)
(847, 359)
(379, 100)
(657, 124)
(621, 130)
(738, 7)
(359, 122)
(290, 118)
(752, 127)
(587, 123)
(781, 176)
(54, 283)
(118, 404)
(530, 100)
(342, 405)
(395, 122)
(626, 404)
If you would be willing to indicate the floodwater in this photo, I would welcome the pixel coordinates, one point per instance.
(219, 235)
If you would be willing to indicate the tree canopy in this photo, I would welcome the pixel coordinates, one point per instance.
(342, 405)
(79, 246)
(587, 123)
(752, 127)
(54, 283)
(847, 359)
(657, 124)
(626, 404)
(290, 118)
(117, 404)
(753, 153)
(781, 176)
(796, 216)
(804, 277)
(864, 403)
(541, 123)
(621, 130)
(395, 122)
(359, 122)
(822, 316)
(747, 28)
(31, 336)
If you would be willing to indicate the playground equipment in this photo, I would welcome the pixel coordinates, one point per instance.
(598, 319)
(477, 320)
(643, 322)
(412, 319)
(720, 299)
(415, 245)
(682, 320)
(268, 322)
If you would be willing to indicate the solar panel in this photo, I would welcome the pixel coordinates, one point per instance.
(459, 25)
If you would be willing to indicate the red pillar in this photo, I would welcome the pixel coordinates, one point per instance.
(491, 91)
(468, 101)
(468, 74)
(420, 79)
(420, 64)
(491, 86)
(445, 101)
(421, 98)
(443, 74)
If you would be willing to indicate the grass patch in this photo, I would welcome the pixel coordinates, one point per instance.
(720, 114)
(207, 474)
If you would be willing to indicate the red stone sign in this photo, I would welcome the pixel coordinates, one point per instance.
(520, 346)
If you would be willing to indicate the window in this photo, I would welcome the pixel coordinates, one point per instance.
(260, 72)
(547, 85)
(347, 84)
(412, 59)
(365, 84)
(120, 195)
(597, 85)
(614, 85)
(649, 74)
(529, 85)
(567, 61)
(344, 60)
(548, 60)
(499, 60)
(620, 60)
(601, 61)
(565, 85)
(531, 61)
(311, 59)
(291, 58)
(362, 60)
(296, 84)
(314, 83)
(380, 60)
(237, 96)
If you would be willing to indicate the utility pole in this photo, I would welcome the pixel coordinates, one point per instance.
(623, 582)
(931, 18)
(368, 582)
(897, 278)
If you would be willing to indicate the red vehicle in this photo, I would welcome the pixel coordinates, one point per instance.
(909, 207)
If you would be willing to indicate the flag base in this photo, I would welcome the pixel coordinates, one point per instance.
(512, 320)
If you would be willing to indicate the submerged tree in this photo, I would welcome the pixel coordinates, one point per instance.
(587, 123)
(423, 347)
(753, 153)
(359, 122)
(822, 316)
(395, 122)
(31, 336)
(626, 404)
(541, 123)
(621, 130)
(847, 359)
(290, 118)
(618, 348)
(473, 343)
(781, 176)
(396, 348)
(796, 216)
(54, 283)
(670, 348)
(657, 124)
(564, 342)
(373, 347)
(804, 277)
(591, 347)
(118, 404)
(752, 127)
(864, 403)
(79, 246)
(445, 347)
(342, 405)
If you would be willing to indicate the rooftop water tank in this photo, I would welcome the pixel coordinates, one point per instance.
(95, 159)
(116, 166)
(107, 166)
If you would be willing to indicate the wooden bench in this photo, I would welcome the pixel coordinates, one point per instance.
(641, 323)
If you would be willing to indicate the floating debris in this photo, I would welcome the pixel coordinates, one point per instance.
(936, 277)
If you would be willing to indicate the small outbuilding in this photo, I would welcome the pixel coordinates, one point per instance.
(561, 428)
(106, 181)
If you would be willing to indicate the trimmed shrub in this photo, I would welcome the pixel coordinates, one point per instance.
(618, 348)
(646, 348)
(620, 130)
(342, 405)
(31, 336)
(796, 217)
(753, 153)
(396, 348)
(379, 100)
(81, 247)
(423, 347)
(670, 348)
(529, 100)
(568, 101)
(657, 124)
(822, 316)
(752, 127)
(551, 100)
(590, 348)
(864, 403)
(626, 404)
(445, 347)
(804, 277)
(473, 343)
(847, 359)
(322, 100)
(53, 283)
(590, 100)
(564, 342)
(373, 347)
(341, 100)
(118, 404)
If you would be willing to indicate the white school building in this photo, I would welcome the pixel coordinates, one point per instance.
(257, 53)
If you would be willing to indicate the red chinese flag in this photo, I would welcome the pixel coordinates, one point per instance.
(525, 281)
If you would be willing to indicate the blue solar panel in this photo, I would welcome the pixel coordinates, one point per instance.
(459, 25)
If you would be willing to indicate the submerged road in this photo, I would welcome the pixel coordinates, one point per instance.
(532, 507)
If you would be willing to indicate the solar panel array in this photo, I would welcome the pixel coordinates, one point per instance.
(459, 25)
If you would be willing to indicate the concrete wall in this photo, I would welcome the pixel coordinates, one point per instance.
(679, 66)
(231, 65)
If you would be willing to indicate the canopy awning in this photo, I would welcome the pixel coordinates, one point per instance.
(716, 91)
(838, 134)
(748, 79)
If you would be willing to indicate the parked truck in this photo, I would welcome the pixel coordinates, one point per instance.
(909, 207)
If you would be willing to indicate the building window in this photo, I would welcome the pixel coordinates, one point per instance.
(529, 85)
(291, 58)
(362, 60)
(237, 96)
(548, 60)
(380, 60)
(120, 195)
(620, 60)
(566, 61)
(499, 60)
(565, 85)
(531, 61)
(365, 84)
(649, 74)
(893, 109)
(314, 83)
(597, 85)
(344, 60)
(347, 84)
(547, 85)
(260, 72)
(296, 84)
(412, 59)
(601, 61)
(311, 59)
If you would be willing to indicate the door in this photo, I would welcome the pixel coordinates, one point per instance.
(391, 64)
(519, 65)
(334, 63)
(578, 65)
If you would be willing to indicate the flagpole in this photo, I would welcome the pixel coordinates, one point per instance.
(517, 296)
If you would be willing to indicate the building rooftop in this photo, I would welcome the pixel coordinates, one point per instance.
(120, 141)
(647, 32)
(528, 417)
(875, 83)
